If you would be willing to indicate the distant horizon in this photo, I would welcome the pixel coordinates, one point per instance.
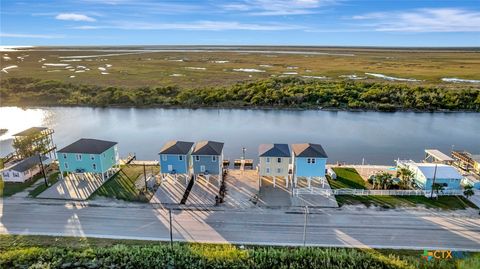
(363, 23)
(236, 45)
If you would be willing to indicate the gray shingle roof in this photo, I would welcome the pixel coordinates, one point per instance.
(176, 147)
(208, 148)
(309, 150)
(273, 150)
(88, 146)
(31, 130)
(27, 163)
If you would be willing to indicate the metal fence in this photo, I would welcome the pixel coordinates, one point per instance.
(361, 192)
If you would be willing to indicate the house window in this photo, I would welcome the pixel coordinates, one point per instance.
(214, 158)
(94, 166)
(164, 157)
(197, 158)
(268, 159)
(5, 174)
(311, 160)
(180, 157)
(267, 171)
(64, 155)
(104, 155)
(279, 160)
(279, 170)
(16, 174)
(66, 165)
(92, 157)
(78, 157)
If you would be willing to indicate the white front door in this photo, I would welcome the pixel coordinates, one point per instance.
(202, 168)
(170, 167)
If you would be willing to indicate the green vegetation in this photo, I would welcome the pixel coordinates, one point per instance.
(275, 93)
(68, 252)
(10, 188)
(442, 202)
(122, 185)
(52, 179)
(347, 178)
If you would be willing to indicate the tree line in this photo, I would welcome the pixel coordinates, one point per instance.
(272, 93)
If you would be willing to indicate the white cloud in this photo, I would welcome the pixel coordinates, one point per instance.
(278, 7)
(74, 17)
(198, 26)
(16, 35)
(424, 20)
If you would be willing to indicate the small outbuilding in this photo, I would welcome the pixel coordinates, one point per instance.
(25, 169)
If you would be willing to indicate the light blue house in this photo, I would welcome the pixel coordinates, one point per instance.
(89, 156)
(207, 158)
(424, 174)
(309, 161)
(175, 158)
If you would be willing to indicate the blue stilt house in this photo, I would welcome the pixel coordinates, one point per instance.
(309, 162)
(89, 156)
(175, 158)
(207, 158)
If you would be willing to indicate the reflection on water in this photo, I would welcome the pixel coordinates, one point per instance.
(346, 136)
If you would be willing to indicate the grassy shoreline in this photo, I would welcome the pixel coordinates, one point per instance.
(273, 93)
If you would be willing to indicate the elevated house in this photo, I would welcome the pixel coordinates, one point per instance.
(32, 141)
(207, 159)
(274, 161)
(175, 158)
(25, 169)
(89, 156)
(425, 174)
(309, 162)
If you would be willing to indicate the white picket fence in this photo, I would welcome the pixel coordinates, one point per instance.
(361, 192)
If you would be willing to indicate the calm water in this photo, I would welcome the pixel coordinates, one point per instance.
(346, 136)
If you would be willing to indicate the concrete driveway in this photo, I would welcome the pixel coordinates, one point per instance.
(78, 187)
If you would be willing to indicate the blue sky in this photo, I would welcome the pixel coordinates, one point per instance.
(241, 22)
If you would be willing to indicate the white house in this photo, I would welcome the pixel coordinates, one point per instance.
(24, 169)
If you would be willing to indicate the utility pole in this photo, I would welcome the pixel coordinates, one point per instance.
(433, 181)
(305, 226)
(145, 177)
(43, 170)
(171, 233)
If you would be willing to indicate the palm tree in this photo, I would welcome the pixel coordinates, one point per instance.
(406, 175)
(383, 180)
(468, 191)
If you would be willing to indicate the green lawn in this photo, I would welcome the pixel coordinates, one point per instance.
(52, 179)
(122, 185)
(443, 202)
(347, 178)
(10, 188)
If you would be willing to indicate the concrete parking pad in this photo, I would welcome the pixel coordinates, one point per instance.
(241, 188)
(314, 200)
(77, 187)
(203, 192)
(278, 196)
(171, 190)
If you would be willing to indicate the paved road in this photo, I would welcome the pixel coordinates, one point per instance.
(327, 227)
